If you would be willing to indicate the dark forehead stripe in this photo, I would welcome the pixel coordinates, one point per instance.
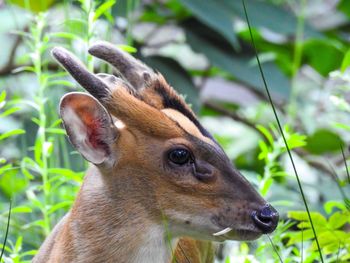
(174, 101)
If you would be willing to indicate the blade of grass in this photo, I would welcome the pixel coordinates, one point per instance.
(337, 181)
(346, 166)
(7, 231)
(183, 252)
(275, 249)
(282, 133)
(168, 238)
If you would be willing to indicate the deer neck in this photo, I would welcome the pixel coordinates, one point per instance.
(115, 228)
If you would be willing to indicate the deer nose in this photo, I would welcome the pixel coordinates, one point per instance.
(266, 219)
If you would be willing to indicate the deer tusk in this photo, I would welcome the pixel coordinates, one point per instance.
(223, 232)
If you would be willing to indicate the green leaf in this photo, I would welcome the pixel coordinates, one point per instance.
(67, 173)
(34, 5)
(2, 96)
(65, 35)
(342, 126)
(266, 133)
(338, 219)
(266, 184)
(273, 17)
(12, 182)
(215, 15)
(56, 131)
(323, 55)
(297, 237)
(64, 83)
(317, 218)
(58, 206)
(77, 27)
(346, 61)
(323, 141)
(11, 133)
(38, 148)
(21, 209)
(34, 200)
(330, 205)
(325, 238)
(128, 48)
(264, 150)
(103, 8)
(330, 239)
(203, 40)
(9, 112)
(295, 140)
(6, 167)
(344, 6)
(18, 244)
(56, 123)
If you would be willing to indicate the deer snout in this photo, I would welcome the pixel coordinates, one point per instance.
(266, 219)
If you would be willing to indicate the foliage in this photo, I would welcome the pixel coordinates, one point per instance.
(334, 241)
(204, 50)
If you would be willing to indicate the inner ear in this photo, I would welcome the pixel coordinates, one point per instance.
(89, 127)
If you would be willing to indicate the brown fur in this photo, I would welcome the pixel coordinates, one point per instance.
(136, 204)
(194, 251)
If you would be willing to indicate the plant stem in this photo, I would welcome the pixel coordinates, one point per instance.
(282, 134)
(41, 136)
(298, 53)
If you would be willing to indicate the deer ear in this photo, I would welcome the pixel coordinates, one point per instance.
(89, 127)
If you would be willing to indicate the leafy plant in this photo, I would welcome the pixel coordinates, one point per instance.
(333, 237)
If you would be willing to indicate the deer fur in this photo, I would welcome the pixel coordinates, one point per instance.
(135, 204)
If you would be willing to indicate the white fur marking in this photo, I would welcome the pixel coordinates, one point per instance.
(156, 247)
(119, 124)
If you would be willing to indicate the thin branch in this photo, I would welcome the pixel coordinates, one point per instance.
(9, 70)
(9, 65)
(233, 115)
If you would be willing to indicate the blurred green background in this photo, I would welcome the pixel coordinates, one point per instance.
(204, 50)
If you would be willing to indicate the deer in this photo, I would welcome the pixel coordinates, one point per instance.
(159, 188)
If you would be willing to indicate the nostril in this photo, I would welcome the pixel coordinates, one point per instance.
(266, 219)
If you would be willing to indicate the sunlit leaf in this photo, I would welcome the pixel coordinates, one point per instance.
(103, 8)
(338, 219)
(11, 133)
(21, 209)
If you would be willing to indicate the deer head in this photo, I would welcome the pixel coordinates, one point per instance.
(136, 122)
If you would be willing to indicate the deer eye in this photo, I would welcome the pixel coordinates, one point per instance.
(179, 156)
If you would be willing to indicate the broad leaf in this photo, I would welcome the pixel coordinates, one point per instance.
(215, 15)
(323, 141)
(323, 55)
(221, 55)
(264, 14)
